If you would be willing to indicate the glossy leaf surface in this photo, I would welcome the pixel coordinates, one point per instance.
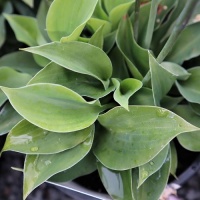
(54, 73)
(189, 140)
(86, 166)
(182, 52)
(125, 89)
(39, 168)
(130, 136)
(66, 19)
(146, 170)
(8, 118)
(117, 183)
(71, 56)
(190, 88)
(153, 187)
(29, 139)
(160, 85)
(26, 29)
(53, 107)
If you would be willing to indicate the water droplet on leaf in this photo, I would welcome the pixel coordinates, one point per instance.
(151, 163)
(34, 149)
(161, 112)
(47, 162)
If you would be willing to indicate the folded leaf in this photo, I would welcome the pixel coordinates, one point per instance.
(136, 136)
(29, 139)
(53, 107)
(71, 56)
(66, 19)
(39, 168)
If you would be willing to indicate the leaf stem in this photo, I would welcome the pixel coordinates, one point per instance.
(136, 19)
(151, 23)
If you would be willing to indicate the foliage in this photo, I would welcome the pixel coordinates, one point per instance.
(103, 86)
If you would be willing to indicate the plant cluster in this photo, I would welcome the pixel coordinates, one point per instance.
(103, 85)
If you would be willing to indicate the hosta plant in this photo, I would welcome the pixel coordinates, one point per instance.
(103, 85)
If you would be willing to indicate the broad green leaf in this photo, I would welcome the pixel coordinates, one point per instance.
(179, 72)
(195, 107)
(53, 107)
(110, 5)
(142, 97)
(20, 61)
(118, 184)
(125, 89)
(94, 24)
(86, 166)
(82, 84)
(181, 52)
(99, 11)
(160, 85)
(26, 29)
(189, 140)
(41, 61)
(29, 139)
(39, 168)
(8, 118)
(190, 88)
(71, 56)
(97, 38)
(66, 19)
(11, 78)
(153, 187)
(135, 137)
(118, 12)
(135, 56)
(146, 170)
(174, 159)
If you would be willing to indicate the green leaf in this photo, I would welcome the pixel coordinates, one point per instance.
(169, 102)
(142, 97)
(153, 187)
(146, 170)
(195, 108)
(82, 84)
(39, 168)
(53, 107)
(189, 140)
(174, 159)
(136, 136)
(20, 61)
(118, 12)
(190, 88)
(125, 89)
(99, 11)
(179, 72)
(66, 19)
(94, 24)
(86, 166)
(26, 29)
(11, 78)
(8, 118)
(97, 38)
(181, 52)
(109, 41)
(117, 183)
(41, 61)
(135, 56)
(29, 139)
(160, 85)
(71, 56)
(2, 30)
